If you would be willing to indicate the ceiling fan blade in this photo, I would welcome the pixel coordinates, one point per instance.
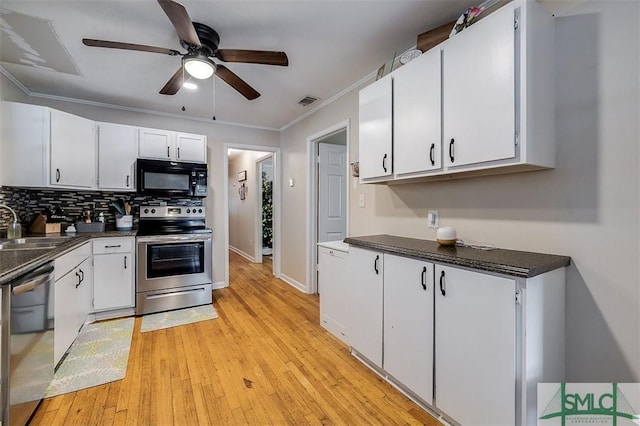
(236, 82)
(174, 84)
(265, 57)
(129, 46)
(181, 22)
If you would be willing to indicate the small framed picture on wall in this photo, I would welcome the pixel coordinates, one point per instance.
(243, 193)
(242, 176)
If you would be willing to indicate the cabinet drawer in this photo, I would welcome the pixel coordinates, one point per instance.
(113, 245)
(64, 264)
(332, 252)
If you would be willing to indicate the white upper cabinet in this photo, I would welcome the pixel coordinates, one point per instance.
(167, 145)
(156, 144)
(479, 110)
(117, 153)
(417, 115)
(43, 147)
(191, 148)
(490, 111)
(376, 147)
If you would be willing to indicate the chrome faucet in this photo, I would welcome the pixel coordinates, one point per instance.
(14, 230)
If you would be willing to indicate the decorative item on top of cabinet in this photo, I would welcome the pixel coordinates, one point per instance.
(497, 89)
(117, 153)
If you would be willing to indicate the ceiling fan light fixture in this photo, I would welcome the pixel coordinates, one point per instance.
(199, 66)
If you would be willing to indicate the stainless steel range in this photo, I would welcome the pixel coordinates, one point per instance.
(174, 258)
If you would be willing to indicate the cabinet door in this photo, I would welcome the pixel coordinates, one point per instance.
(154, 143)
(475, 346)
(191, 148)
(66, 313)
(376, 129)
(408, 323)
(73, 151)
(365, 303)
(479, 91)
(417, 115)
(84, 291)
(113, 281)
(332, 286)
(117, 153)
(24, 141)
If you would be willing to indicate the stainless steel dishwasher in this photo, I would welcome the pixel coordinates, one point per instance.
(27, 344)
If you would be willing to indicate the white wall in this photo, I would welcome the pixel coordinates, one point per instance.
(217, 136)
(587, 207)
(243, 213)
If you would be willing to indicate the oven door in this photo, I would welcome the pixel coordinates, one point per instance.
(173, 261)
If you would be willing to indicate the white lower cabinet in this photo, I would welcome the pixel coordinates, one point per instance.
(475, 346)
(114, 266)
(365, 274)
(471, 345)
(408, 323)
(73, 281)
(332, 286)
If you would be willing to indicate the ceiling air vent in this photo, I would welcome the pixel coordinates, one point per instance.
(307, 100)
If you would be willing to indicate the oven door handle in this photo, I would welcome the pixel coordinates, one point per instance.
(173, 239)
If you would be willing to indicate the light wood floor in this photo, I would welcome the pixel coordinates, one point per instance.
(266, 360)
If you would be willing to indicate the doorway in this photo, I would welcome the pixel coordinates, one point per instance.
(328, 189)
(245, 202)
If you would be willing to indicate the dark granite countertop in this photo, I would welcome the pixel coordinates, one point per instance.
(14, 263)
(509, 262)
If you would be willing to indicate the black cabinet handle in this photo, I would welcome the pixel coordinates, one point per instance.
(79, 279)
(178, 152)
(57, 175)
(168, 152)
(424, 278)
(81, 275)
(125, 262)
(442, 284)
(114, 246)
(127, 181)
(375, 265)
(431, 152)
(384, 161)
(451, 149)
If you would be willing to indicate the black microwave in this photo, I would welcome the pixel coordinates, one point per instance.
(171, 178)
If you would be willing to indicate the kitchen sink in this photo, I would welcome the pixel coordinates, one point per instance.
(32, 243)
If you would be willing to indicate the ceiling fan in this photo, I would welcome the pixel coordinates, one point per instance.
(201, 43)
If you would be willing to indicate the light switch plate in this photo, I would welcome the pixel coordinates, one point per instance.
(433, 218)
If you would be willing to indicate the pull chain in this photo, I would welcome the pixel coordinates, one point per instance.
(182, 90)
(213, 95)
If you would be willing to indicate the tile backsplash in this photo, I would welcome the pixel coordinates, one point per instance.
(28, 203)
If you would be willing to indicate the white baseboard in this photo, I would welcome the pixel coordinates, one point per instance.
(293, 283)
(218, 285)
(105, 315)
(243, 254)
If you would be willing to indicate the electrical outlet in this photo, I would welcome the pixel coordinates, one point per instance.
(361, 200)
(433, 218)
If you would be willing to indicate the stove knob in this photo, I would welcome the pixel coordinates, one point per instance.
(153, 211)
(199, 210)
(146, 210)
(189, 211)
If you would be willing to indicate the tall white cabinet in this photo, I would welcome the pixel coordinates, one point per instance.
(376, 129)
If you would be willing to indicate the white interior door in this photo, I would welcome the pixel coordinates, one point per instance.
(332, 192)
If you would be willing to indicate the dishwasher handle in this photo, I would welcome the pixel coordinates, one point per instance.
(33, 283)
